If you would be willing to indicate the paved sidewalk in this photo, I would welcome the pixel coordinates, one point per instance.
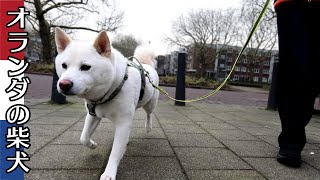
(196, 142)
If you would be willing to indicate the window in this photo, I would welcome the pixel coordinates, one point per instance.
(237, 68)
(235, 77)
(255, 79)
(228, 68)
(244, 69)
(256, 70)
(221, 65)
(265, 71)
(244, 61)
(229, 59)
(266, 63)
(223, 56)
(264, 80)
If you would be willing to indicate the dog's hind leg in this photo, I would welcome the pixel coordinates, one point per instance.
(90, 125)
(149, 108)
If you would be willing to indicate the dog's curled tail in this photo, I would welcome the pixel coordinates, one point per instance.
(145, 55)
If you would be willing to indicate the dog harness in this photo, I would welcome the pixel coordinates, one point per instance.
(91, 105)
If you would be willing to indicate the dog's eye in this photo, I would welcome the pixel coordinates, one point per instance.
(64, 66)
(85, 67)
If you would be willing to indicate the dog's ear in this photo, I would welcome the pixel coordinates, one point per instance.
(62, 39)
(102, 44)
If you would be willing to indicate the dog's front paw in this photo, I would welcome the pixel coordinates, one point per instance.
(106, 177)
(92, 144)
(148, 129)
(148, 126)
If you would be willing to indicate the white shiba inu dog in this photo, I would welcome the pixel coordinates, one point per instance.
(109, 86)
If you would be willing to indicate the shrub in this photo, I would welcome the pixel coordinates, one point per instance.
(168, 79)
(192, 81)
(40, 68)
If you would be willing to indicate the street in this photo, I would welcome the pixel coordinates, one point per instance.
(41, 86)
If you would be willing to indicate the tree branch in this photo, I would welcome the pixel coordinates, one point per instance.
(60, 4)
(28, 1)
(82, 28)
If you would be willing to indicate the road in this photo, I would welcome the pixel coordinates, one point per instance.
(41, 86)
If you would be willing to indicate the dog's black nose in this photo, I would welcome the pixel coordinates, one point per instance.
(65, 85)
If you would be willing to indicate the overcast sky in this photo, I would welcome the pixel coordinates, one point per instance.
(150, 20)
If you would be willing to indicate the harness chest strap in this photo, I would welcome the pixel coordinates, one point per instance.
(92, 105)
(142, 74)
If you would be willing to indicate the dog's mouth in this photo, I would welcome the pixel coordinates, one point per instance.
(71, 93)
(67, 93)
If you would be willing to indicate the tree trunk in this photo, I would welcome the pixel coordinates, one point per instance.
(44, 31)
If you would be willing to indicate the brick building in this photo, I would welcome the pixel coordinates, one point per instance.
(248, 69)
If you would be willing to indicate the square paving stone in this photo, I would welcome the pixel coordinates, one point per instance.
(63, 175)
(140, 115)
(150, 168)
(251, 148)
(175, 121)
(245, 123)
(273, 170)
(74, 109)
(193, 140)
(48, 106)
(260, 131)
(314, 124)
(34, 116)
(231, 135)
(69, 157)
(226, 116)
(54, 120)
(311, 157)
(204, 118)
(149, 147)
(33, 102)
(209, 158)
(224, 175)
(212, 125)
(67, 114)
(141, 133)
(185, 111)
(141, 123)
(313, 138)
(103, 126)
(170, 115)
(73, 137)
(273, 140)
(173, 128)
(41, 111)
(46, 130)
(38, 142)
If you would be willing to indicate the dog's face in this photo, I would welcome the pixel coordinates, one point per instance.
(83, 68)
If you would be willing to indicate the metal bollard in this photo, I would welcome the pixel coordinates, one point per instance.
(180, 86)
(272, 99)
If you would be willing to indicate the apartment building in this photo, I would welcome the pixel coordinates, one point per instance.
(249, 68)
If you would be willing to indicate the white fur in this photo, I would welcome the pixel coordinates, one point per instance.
(146, 55)
(105, 74)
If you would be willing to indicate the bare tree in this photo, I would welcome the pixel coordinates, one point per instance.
(70, 14)
(202, 31)
(33, 50)
(264, 39)
(126, 44)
